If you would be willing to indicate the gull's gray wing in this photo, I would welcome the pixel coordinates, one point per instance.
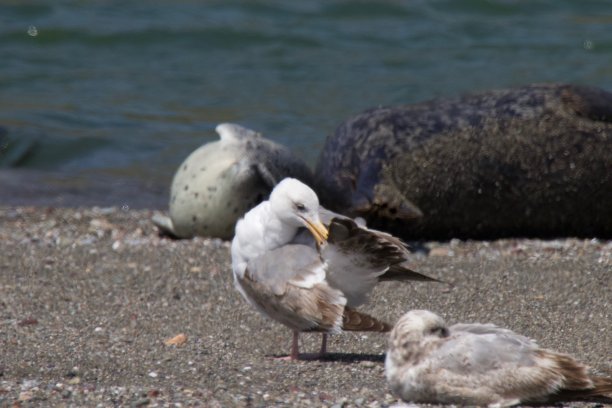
(478, 328)
(473, 348)
(476, 360)
(304, 237)
(276, 268)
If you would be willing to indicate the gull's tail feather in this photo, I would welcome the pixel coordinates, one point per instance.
(603, 387)
(353, 320)
(601, 392)
(575, 374)
(377, 249)
(578, 385)
(400, 273)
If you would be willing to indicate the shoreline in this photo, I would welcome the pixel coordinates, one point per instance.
(90, 295)
(64, 189)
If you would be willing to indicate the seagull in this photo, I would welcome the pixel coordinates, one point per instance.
(293, 268)
(481, 364)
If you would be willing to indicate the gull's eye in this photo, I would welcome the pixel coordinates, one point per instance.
(439, 331)
(300, 207)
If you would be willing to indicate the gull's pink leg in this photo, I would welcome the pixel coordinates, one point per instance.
(295, 349)
(295, 346)
(323, 350)
(312, 356)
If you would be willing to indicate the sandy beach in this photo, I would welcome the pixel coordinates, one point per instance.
(90, 297)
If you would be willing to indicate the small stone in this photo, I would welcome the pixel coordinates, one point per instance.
(73, 372)
(30, 321)
(27, 384)
(440, 251)
(74, 380)
(140, 402)
(153, 374)
(178, 340)
(25, 396)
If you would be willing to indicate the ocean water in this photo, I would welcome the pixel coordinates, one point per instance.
(103, 99)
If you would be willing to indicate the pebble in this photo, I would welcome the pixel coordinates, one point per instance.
(440, 251)
(140, 402)
(28, 384)
(74, 381)
(25, 396)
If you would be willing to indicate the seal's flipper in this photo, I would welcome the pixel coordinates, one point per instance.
(391, 203)
(233, 133)
(376, 195)
(164, 223)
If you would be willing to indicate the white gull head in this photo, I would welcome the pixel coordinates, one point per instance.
(418, 325)
(294, 203)
(275, 222)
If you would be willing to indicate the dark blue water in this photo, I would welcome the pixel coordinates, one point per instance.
(96, 92)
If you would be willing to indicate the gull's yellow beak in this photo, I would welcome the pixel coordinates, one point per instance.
(318, 230)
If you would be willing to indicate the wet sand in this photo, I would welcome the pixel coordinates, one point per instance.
(88, 298)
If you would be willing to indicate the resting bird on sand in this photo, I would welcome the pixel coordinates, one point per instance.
(481, 364)
(312, 284)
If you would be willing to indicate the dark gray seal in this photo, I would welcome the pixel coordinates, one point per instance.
(220, 181)
(530, 161)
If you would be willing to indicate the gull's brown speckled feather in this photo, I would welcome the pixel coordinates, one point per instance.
(475, 364)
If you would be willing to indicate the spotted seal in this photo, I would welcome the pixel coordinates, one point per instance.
(221, 180)
(528, 161)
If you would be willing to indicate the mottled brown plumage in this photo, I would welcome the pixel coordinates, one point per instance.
(478, 364)
(316, 308)
(359, 258)
(352, 320)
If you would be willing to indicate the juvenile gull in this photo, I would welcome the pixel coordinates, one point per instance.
(312, 284)
(481, 364)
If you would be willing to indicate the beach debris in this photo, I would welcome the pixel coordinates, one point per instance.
(178, 340)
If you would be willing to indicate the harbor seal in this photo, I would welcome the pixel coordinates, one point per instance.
(532, 161)
(222, 180)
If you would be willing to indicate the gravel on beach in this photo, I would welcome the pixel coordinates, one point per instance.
(97, 310)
